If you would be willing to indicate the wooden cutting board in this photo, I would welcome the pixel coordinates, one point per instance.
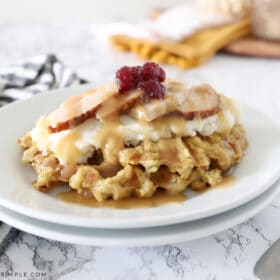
(252, 46)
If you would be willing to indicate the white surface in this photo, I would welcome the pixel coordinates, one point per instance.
(259, 169)
(145, 236)
(184, 20)
(47, 11)
(230, 254)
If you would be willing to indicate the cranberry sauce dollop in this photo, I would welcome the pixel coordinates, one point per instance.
(148, 78)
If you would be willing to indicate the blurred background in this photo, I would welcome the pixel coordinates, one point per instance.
(85, 10)
(74, 31)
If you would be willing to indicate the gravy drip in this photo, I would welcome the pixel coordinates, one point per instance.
(159, 198)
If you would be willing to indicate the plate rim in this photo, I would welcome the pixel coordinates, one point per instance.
(219, 223)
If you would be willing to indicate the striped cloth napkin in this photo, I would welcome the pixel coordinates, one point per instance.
(36, 75)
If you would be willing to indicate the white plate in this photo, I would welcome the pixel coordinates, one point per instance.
(256, 173)
(144, 236)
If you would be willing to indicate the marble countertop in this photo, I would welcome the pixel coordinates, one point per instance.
(230, 254)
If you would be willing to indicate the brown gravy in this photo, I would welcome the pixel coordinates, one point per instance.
(227, 181)
(67, 149)
(161, 197)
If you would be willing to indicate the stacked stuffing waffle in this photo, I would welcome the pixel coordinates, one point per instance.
(138, 134)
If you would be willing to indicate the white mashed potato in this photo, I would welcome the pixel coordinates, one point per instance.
(130, 128)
